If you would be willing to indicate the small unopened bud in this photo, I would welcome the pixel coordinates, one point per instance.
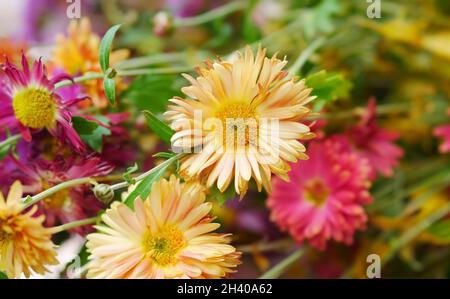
(162, 23)
(104, 193)
(111, 73)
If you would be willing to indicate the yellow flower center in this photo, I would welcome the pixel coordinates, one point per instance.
(34, 107)
(162, 247)
(239, 123)
(315, 191)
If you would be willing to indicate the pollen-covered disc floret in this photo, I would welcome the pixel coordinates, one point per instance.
(34, 107)
(25, 245)
(324, 199)
(168, 235)
(29, 102)
(241, 120)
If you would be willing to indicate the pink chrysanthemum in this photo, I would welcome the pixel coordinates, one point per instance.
(29, 102)
(69, 204)
(325, 197)
(375, 144)
(444, 133)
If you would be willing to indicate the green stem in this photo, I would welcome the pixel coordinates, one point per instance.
(150, 60)
(74, 224)
(211, 15)
(86, 77)
(281, 267)
(124, 73)
(156, 71)
(304, 56)
(282, 244)
(10, 140)
(125, 184)
(29, 201)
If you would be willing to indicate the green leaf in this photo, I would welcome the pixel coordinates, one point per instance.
(105, 46)
(127, 175)
(222, 198)
(152, 92)
(144, 187)
(3, 275)
(441, 231)
(109, 85)
(322, 18)
(158, 126)
(328, 86)
(84, 126)
(95, 138)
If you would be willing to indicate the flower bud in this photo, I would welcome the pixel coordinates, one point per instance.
(104, 193)
(162, 23)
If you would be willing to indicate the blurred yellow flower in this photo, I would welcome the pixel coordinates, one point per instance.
(25, 245)
(78, 53)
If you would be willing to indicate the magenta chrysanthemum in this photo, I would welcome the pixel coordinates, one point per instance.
(325, 196)
(375, 143)
(29, 102)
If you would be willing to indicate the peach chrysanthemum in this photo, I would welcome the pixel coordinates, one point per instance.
(168, 235)
(25, 245)
(77, 53)
(253, 95)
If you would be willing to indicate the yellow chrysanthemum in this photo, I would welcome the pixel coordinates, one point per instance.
(244, 116)
(77, 53)
(25, 245)
(168, 235)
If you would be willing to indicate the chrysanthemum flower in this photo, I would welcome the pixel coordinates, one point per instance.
(325, 197)
(244, 116)
(77, 53)
(69, 204)
(29, 102)
(168, 235)
(25, 245)
(375, 144)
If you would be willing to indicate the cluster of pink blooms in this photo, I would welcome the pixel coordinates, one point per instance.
(325, 197)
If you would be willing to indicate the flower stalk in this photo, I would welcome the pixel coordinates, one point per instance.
(31, 200)
(74, 224)
(282, 266)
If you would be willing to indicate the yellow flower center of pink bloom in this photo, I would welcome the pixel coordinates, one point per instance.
(34, 107)
(162, 247)
(238, 118)
(315, 191)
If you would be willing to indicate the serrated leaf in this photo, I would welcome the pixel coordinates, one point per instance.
(144, 187)
(109, 86)
(328, 86)
(159, 127)
(105, 46)
(127, 175)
